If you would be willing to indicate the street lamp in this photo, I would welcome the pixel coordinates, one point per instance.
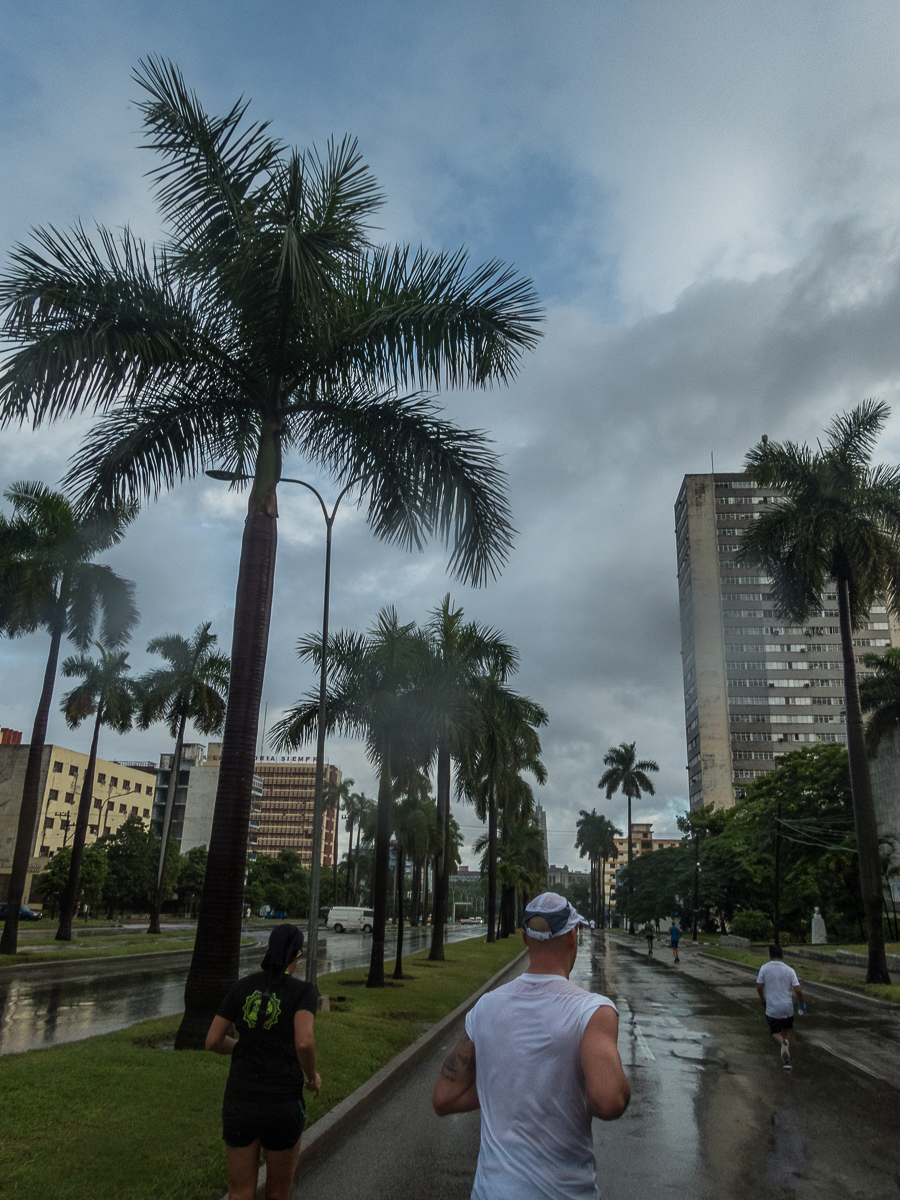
(319, 795)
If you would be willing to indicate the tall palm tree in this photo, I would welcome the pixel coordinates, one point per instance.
(461, 654)
(838, 519)
(523, 864)
(411, 830)
(337, 796)
(588, 838)
(48, 581)
(106, 694)
(370, 696)
(266, 323)
(491, 764)
(629, 776)
(366, 813)
(608, 850)
(191, 688)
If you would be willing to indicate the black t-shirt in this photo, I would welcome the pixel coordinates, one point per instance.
(264, 1064)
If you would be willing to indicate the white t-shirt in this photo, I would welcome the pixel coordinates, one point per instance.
(536, 1139)
(779, 979)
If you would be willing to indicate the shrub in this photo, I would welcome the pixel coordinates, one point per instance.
(751, 923)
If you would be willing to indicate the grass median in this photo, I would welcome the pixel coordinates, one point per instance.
(121, 1117)
(118, 946)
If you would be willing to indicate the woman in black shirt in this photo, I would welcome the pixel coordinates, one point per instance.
(263, 1107)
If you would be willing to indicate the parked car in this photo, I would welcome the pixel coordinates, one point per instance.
(25, 913)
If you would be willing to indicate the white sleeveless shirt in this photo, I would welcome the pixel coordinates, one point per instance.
(536, 1139)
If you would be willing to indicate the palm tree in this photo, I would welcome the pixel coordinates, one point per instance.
(588, 838)
(461, 654)
(50, 582)
(366, 812)
(191, 688)
(338, 796)
(608, 850)
(370, 696)
(627, 775)
(411, 829)
(266, 323)
(106, 694)
(879, 696)
(838, 519)
(489, 766)
(522, 863)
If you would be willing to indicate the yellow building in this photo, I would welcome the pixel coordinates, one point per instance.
(642, 842)
(121, 790)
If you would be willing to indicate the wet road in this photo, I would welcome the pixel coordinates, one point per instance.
(713, 1114)
(74, 1001)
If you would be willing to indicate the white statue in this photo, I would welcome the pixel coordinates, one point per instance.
(819, 936)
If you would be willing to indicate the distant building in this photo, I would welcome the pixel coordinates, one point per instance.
(755, 686)
(562, 877)
(119, 792)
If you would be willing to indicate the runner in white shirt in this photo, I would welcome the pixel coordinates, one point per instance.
(777, 985)
(547, 1062)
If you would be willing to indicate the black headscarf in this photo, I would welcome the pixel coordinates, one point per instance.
(285, 943)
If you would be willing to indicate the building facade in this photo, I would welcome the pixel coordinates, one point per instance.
(755, 687)
(286, 805)
(120, 791)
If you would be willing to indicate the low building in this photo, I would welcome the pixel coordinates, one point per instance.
(562, 877)
(119, 792)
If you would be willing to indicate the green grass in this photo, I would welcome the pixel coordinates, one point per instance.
(816, 972)
(132, 1121)
(115, 946)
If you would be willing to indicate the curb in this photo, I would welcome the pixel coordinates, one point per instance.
(330, 1128)
(812, 986)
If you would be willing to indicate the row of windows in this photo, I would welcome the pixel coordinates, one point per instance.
(782, 701)
(782, 648)
(793, 665)
(785, 683)
(782, 719)
(123, 809)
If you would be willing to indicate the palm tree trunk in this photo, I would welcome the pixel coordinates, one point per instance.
(171, 790)
(401, 885)
(356, 865)
(70, 893)
(426, 898)
(492, 864)
(442, 859)
(602, 893)
(215, 962)
(630, 860)
(416, 892)
(381, 873)
(26, 830)
(863, 806)
(349, 856)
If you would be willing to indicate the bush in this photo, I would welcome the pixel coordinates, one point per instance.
(751, 923)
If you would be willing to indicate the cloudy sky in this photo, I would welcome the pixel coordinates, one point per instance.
(707, 197)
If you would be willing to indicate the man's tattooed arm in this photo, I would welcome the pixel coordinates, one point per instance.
(455, 1090)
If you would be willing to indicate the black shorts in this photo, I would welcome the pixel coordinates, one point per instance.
(278, 1126)
(780, 1024)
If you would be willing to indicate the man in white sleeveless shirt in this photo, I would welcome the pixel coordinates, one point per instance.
(539, 1058)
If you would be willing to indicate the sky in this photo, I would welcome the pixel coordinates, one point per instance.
(707, 199)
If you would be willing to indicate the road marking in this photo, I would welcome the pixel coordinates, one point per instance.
(852, 1061)
(642, 1042)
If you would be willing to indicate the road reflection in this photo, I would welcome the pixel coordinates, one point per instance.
(73, 1001)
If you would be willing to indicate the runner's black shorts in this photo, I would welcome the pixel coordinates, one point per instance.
(780, 1024)
(278, 1126)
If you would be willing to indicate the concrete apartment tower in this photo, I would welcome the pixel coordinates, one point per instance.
(755, 688)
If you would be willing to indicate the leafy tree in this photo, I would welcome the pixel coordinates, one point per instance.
(879, 695)
(189, 880)
(837, 519)
(595, 837)
(626, 774)
(266, 323)
(282, 882)
(522, 865)
(48, 581)
(337, 796)
(132, 853)
(106, 694)
(192, 687)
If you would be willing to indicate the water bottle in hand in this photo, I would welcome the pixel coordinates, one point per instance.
(801, 1010)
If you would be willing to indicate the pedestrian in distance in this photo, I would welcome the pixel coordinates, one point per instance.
(674, 939)
(778, 986)
(274, 1053)
(648, 934)
(539, 1058)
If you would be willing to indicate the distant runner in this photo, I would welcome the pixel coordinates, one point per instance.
(777, 985)
(648, 934)
(674, 939)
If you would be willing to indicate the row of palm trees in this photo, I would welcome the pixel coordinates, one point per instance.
(422, 699)
(49, 581)
(265, 324)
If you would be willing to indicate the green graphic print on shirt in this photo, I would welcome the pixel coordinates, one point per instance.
(252, 1006)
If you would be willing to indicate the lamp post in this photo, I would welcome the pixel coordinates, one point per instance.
(315, 871)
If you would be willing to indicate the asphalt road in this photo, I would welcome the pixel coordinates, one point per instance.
(713, 1114)
(69, 1001)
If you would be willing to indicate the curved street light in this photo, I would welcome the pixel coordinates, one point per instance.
(315, 870)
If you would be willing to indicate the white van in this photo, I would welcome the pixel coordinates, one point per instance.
(343, 919)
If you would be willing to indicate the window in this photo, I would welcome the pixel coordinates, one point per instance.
(70, 797)
(53, 794)
(146, 812)
(48, 823)
(122, 808)
(149, 791)
(126, 784)
(57, 766)
(93, 828)
(101, 778)
(46, 852)
(134, 812)
(109, 804)
(73, 770)
(98, 804)
(113, 781)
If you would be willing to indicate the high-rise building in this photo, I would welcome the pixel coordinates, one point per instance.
(286, 805)
(755, 686)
